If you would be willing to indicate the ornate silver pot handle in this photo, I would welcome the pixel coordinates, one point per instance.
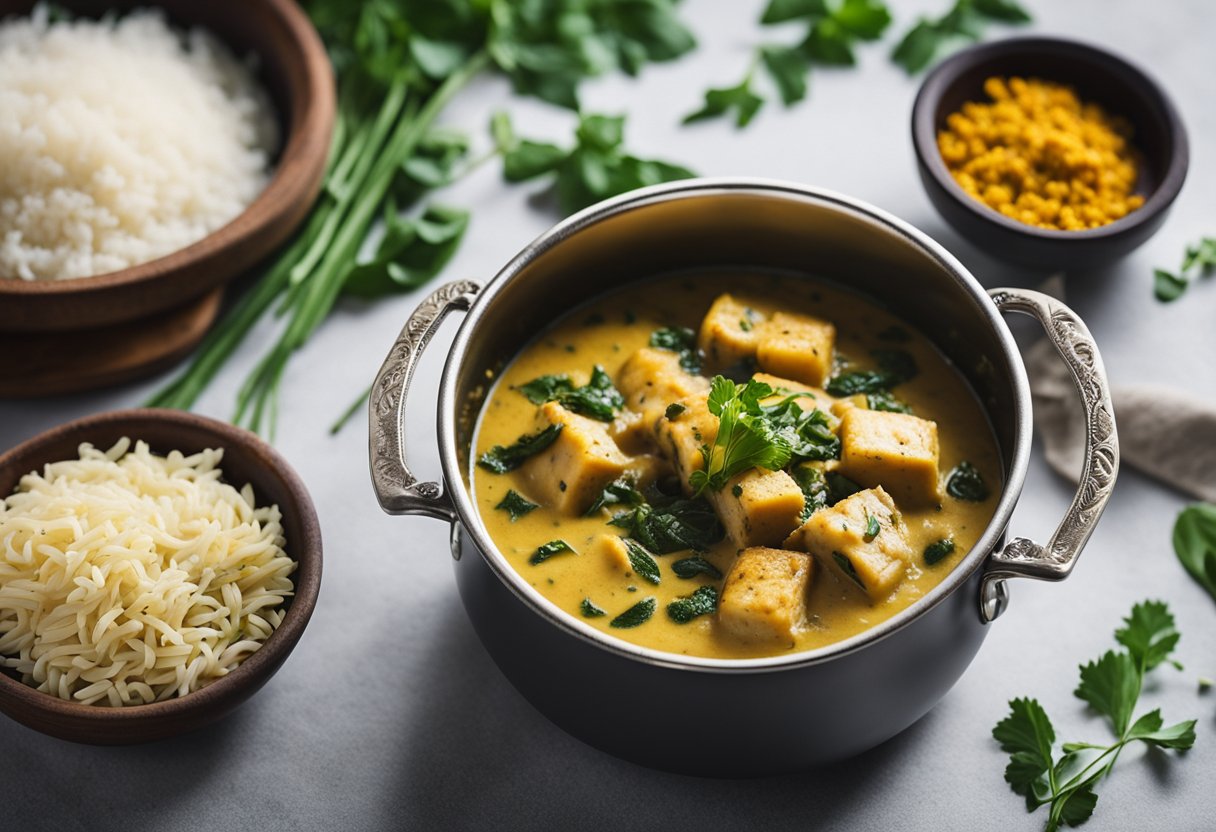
(1022, 558)
(399, 491)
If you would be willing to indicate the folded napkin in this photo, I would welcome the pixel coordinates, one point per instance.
(1164, 433)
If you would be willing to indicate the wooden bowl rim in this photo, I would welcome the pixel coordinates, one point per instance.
(1121, 73)
(282, 641)
(313, 125)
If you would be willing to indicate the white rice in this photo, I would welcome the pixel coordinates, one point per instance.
(121, 141)
(128, 578)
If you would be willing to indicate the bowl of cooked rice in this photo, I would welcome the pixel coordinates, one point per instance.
(150, 152)
(156, 569)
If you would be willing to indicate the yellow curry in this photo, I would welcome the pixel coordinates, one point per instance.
(733, 465)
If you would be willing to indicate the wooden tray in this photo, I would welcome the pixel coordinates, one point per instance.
(47, 364)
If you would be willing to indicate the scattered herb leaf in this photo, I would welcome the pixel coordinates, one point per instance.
(673, 411)
(621, 492)
(846, 566)
(692, 567)
(966, 483)
(872, 528)
(1195, 543)
(702, 601)
(597, 399)
(895, 366)
(840, 487)
(548, 550)
(886, 402)
(673, 527)
(643, 563)
(501, 459)
(1199, 260)
(931, 38)
(589, 609)
(815, 491)
(515, 504)
(939, 550)
(636, 615)
(683, 342)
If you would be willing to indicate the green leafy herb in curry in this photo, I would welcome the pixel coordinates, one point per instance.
(548, 550)
(643, 563)
(515, 504)
(597, 399)
(672, 526)
(682, 341)
(695, 566)
(939, 550)
(1111, 686)
(503, 458)
(702, 601)
(589, 609)
(895, 366)
(636, 615)
(966, 483)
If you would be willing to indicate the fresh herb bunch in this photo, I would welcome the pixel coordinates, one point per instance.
(1111, 686)
(595, 168)
(931, 38)
(1195, 543)
(833, 31)
(398, 65)
(1199, 260)
(755, 435)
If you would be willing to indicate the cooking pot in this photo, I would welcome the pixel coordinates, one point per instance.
(733, 717)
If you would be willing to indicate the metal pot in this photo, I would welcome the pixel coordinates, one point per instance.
(757, 716)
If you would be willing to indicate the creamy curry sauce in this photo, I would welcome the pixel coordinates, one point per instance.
(607, 332)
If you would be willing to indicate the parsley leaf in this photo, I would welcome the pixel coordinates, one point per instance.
(501, 459)
(597, 167)
(703, 601)
(636, 615)
(597, 399)
(643, 562)
(740, 99)
(515, 504)
(964, 23)
(1195, 543)
(1111, 685)
(692, 567)
(745, 438)
(1199, 259)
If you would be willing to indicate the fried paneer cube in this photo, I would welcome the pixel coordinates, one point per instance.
(895, 450)
(797, 346)
(863, 538)
(729, 332)
(572, 472)
(764, 595)
(758, 507)
(652, 378)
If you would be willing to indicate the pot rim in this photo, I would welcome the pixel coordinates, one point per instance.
(468, 516)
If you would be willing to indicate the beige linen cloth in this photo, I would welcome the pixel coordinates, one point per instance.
(1164, 433)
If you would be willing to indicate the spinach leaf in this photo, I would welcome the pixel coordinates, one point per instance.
(703, 601)
(886, 402)
(939, 550)
(692, 567)
(840, 487)
(620, 492)
(589, 609)
(515, 504)
(1195, 543)
(597, 399)
(966, 483)
(808, 432)
(815, 491)
(682, 341)
(501, 459)
(895, 366)
(673, 527)
(548, 550)
(636, 615)
(411, 252)
(846, 566)
(643, 563)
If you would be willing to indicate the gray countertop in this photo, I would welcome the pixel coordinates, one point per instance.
(390, 713)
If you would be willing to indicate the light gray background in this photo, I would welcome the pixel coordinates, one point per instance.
(389, 713)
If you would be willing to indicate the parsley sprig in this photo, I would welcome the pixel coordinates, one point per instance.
(1111, 685)
(595, 168)
(931, 38)
(754, 435)
(1199, 260)
(833, 30)
(1195, 543)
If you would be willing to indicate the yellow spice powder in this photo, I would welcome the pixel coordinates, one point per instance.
(1041, 156)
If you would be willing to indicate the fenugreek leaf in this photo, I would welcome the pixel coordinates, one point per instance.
(643, 563)
(548, 550)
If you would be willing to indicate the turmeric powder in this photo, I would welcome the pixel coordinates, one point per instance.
(1041, 156)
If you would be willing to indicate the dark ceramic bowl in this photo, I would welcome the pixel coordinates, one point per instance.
(247, 459)
(783, 712)
(1121, 88)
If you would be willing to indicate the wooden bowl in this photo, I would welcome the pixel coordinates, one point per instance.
(295, 70)
(246, 459)
(1097, 75)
